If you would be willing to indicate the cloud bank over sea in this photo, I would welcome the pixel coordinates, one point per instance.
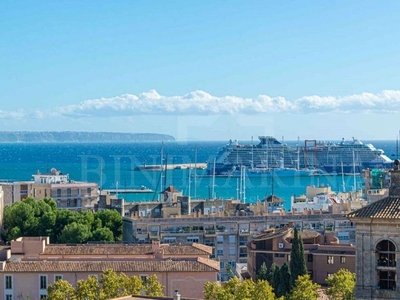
(202, 103)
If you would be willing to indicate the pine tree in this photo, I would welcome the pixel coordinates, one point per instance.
(262, 272)
(284, 285)
(297, 260)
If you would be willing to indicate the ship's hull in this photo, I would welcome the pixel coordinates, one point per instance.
(330, 158)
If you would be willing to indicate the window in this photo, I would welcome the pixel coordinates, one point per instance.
(221, 264)
(8, 282)
(232, 239)
(57, 277)
(43, 297)
(8, 297)
(279, 254)
(386, 262)
(232, 251)
(220, 252)
(43, 282)
(144, 277)
(329, 275)
(342, 259)
(310, 258)
(220, 239)
(330, 260)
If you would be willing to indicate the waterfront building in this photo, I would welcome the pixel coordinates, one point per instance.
(30, 264)
(324, 198)
(378, 242)
(224, 225)
(67, 193)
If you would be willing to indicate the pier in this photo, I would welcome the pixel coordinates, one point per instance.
(130, 191)
(200, 166)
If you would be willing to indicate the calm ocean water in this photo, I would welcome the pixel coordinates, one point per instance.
(112, 164)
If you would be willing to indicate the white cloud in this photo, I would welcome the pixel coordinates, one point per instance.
(202, 103)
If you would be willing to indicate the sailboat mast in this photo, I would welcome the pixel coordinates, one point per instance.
(298, 153)
(343, 183)
(244, 184)
(354, 174)
(161, 168)
(195, 173)
(213, 182)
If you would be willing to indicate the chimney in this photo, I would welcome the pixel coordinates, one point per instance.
(155, 245)
(177, 296)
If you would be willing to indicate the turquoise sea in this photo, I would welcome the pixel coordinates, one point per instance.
(111, 165)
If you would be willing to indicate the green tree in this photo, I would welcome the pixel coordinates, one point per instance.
(102, 235)
(245, 290)
(111, 285)
(152, 287)
(236, 290)
(20, 215)
(111, 219)
(133, 285)
(275, 277)
(341, 285)
(75, 233)
(303, 289)
(262, 291)
(88, 289)
(284, 285)
(262, 272)
(61, 290)
(297, 260)
(270, 274)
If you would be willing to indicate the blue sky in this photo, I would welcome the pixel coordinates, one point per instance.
(205, 70)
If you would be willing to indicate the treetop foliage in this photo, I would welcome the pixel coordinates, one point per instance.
(110, 285)
(32, 217)
(341, 285)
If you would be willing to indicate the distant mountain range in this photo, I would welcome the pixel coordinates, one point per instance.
(78, 136)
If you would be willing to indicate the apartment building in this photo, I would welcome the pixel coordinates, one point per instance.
(30, 264)
(67, 193)
(324, 254)
(224, 225)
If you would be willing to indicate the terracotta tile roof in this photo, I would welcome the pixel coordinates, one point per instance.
(193, 249)
(386, 208)
(273, 233)
(306, 234)
(90, 249)
(202, 247)
(97, 249)
(273, 199)
(197, 265)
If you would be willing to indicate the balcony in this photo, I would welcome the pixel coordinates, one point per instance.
(244, 232)
(210, 232)
(154, 235)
